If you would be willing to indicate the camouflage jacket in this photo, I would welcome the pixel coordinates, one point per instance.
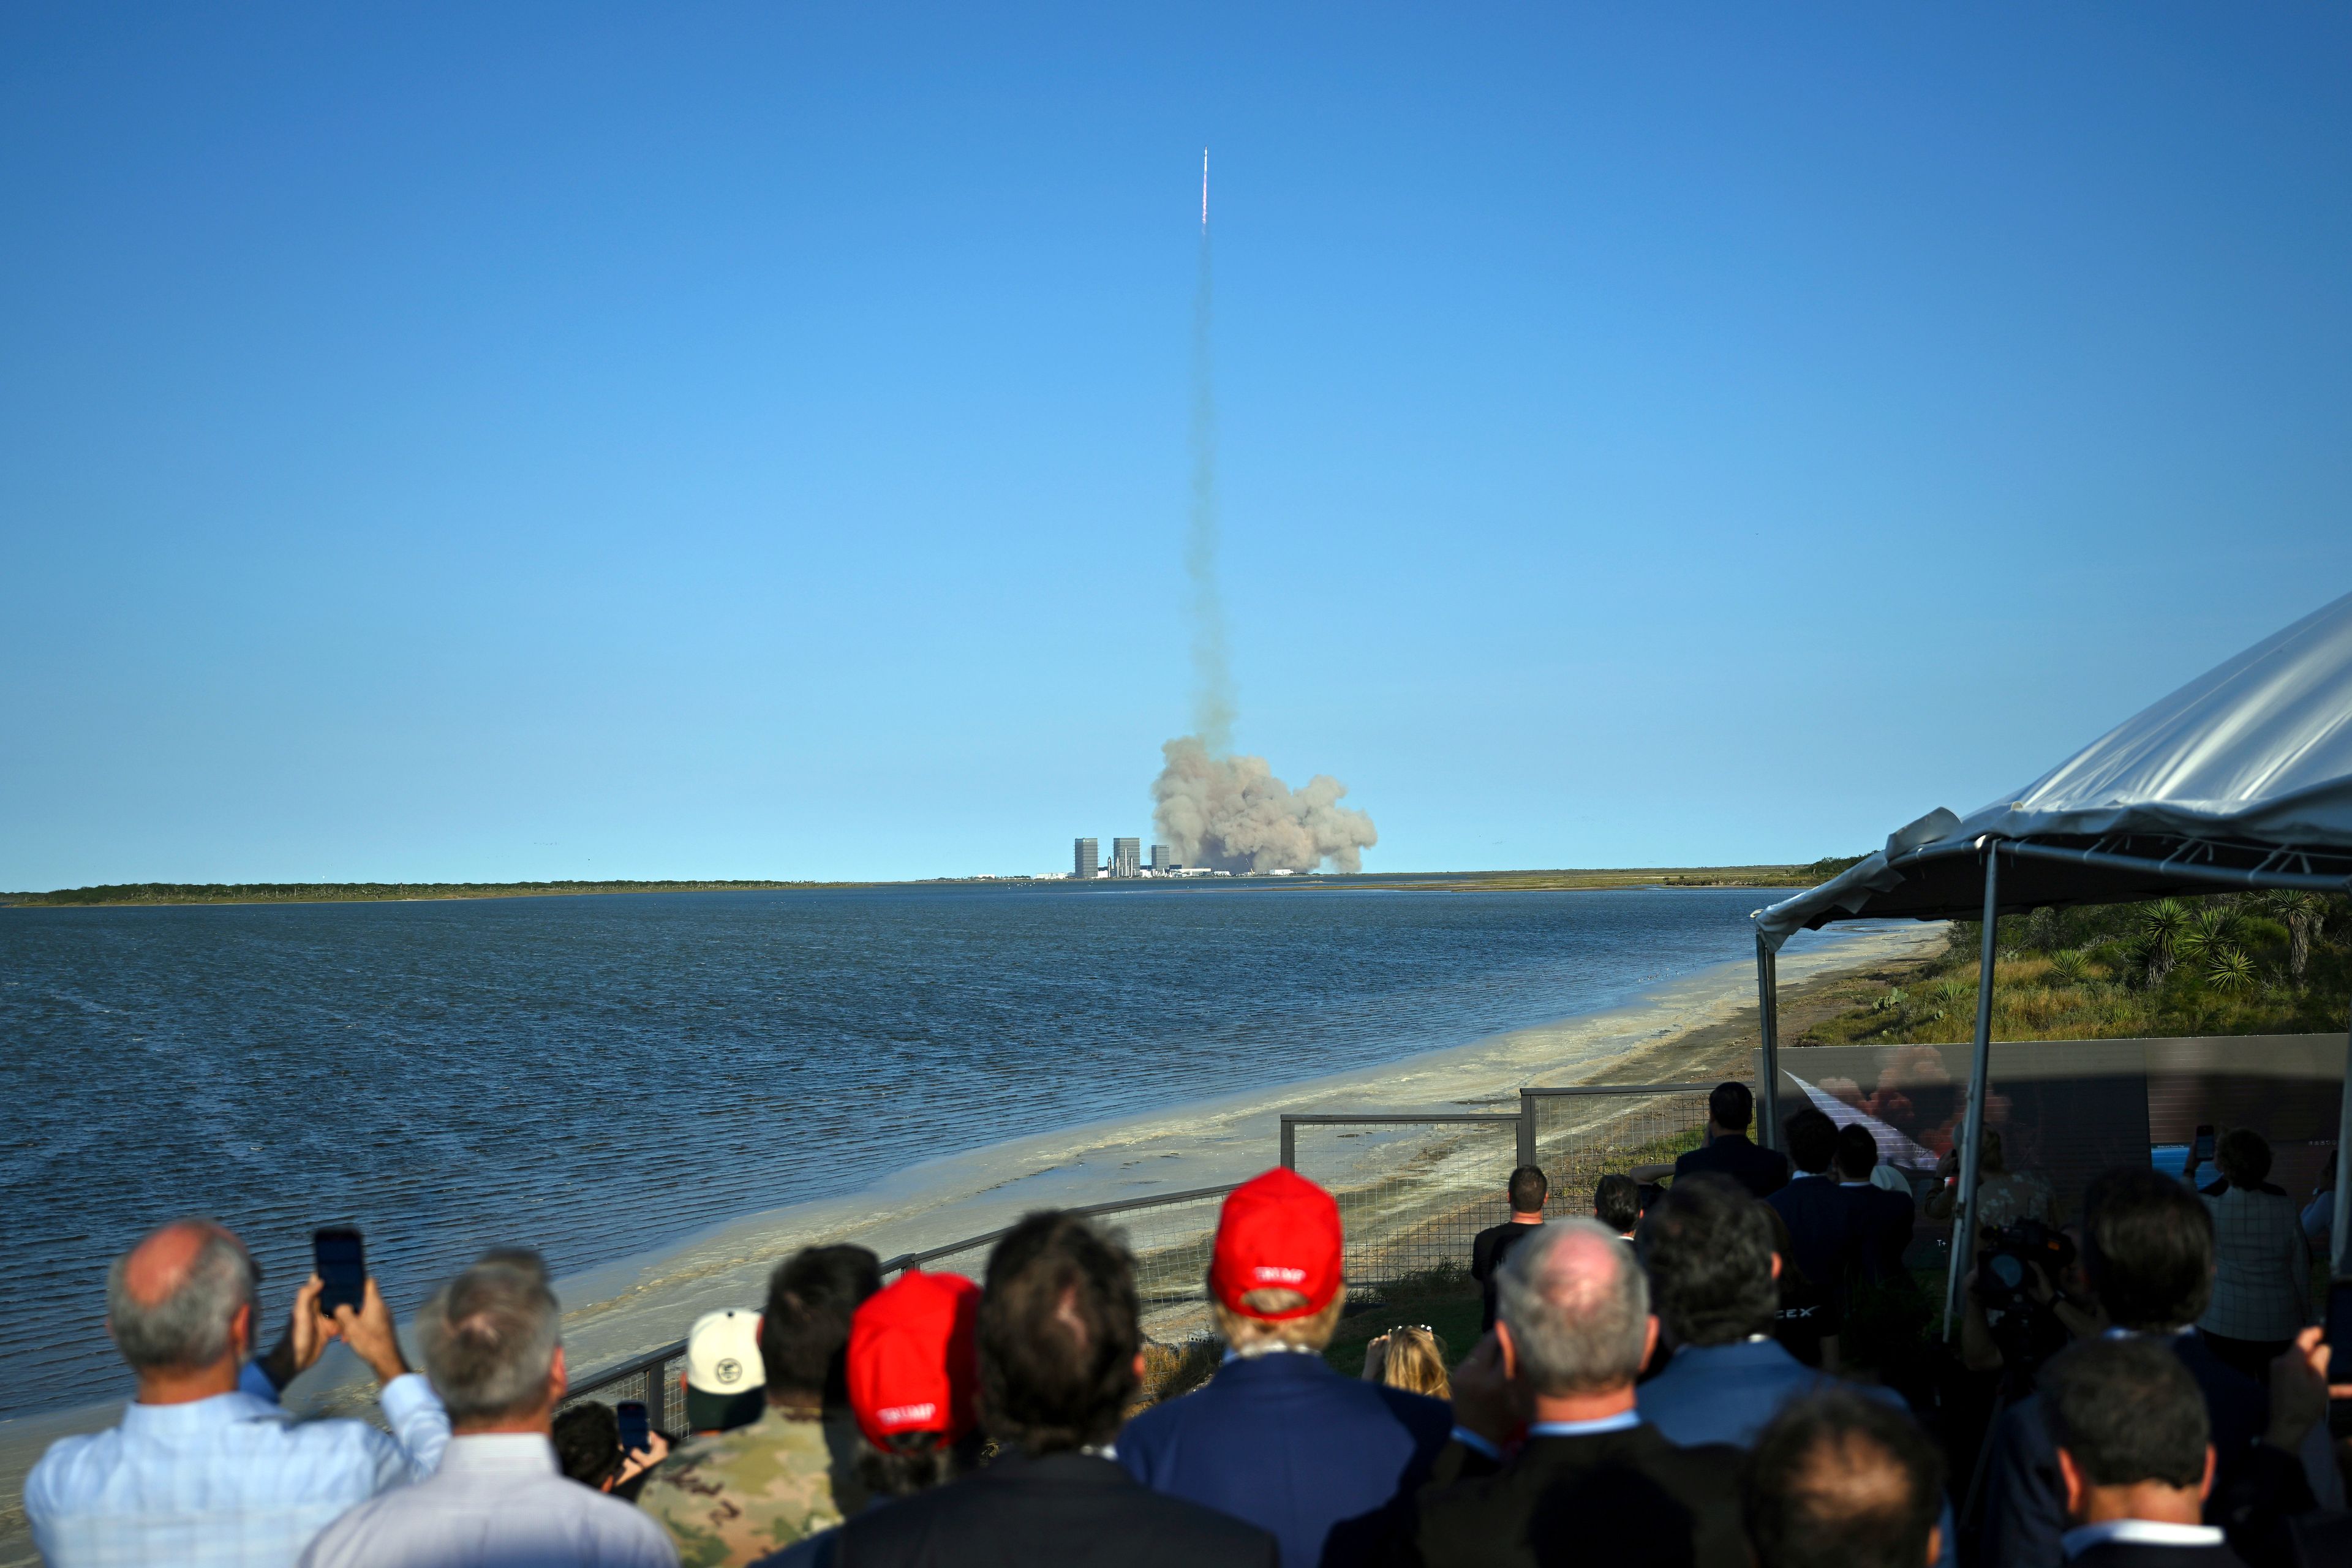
(739, 1495)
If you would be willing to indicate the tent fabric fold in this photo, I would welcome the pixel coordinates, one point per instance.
(2247, 768)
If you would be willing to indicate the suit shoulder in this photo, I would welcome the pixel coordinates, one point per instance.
(1176, 1517)
(1703, 1462)
(1418, 1412)
(1160, 1525)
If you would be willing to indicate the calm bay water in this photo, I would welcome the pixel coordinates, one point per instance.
(597, 1076)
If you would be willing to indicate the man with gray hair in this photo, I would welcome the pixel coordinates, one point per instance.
(205, 1466)
(493, 1347)
(1592, 1483)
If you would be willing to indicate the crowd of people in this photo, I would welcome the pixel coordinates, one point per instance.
(1641, 1394)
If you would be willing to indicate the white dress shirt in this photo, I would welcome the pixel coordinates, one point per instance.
(2137, 1532)
(1623, 1421)
(229, 1480)
(497, 1501)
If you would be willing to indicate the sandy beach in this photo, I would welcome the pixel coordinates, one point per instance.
(1698, 1027)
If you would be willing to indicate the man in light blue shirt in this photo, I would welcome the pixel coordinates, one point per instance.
(493, 1344)
(207, 1467)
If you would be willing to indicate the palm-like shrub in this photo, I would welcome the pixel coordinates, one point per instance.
(2070, 965)
(2208, 932)
(2305, 914)
(2229, 970)
(2160, 928)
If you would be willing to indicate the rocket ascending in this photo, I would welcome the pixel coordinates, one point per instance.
(1204, 187)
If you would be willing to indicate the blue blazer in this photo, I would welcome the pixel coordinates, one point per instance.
(1728, 1394)
(1285, 1443)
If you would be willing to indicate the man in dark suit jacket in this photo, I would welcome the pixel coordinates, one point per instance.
(2127, 1424)
(1059, 1355)
(1529, 1189)
(1887, 1218)
(2147, 1248)
(1823, 1219)
(1729, 1108)
(1592, 1483)
(1277, 1437)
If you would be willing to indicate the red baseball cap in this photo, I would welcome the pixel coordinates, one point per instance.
(1278, 1231)
(913, 1359)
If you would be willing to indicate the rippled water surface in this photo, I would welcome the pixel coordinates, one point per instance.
(595, 1075)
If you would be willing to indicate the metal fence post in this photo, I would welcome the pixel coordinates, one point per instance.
(1964, 1221)
(1527, 1128)
(1768, 1053)
(2340, 1237)
(1289, 1144)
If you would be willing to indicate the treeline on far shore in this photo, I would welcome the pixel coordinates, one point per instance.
(358, 892)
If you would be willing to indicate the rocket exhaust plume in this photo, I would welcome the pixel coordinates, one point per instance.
(1212, 808)
(1213, 676)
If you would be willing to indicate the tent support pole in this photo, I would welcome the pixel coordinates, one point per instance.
(1964, 1223)
(2340, 1236)
(1768, 1056)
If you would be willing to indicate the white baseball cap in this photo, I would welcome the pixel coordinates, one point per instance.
(723, 1364)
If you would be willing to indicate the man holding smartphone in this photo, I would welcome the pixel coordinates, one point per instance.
(238, 1480)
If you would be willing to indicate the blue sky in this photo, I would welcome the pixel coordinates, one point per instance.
(511, 442)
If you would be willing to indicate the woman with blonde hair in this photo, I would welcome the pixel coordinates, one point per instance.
(1411, 1357)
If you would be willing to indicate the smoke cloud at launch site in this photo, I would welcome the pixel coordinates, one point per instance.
(1231, 813)
(1211, 807)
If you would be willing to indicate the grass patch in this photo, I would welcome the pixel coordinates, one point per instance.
(1447, 1301)
(2233, 963)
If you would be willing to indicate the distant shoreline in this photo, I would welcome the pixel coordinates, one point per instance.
(135, 894)
(149, 893)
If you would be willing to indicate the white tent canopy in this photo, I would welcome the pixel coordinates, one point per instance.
(2242, 778)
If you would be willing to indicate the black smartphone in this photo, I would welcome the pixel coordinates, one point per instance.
(341, 1263)
(2205, 1144)
(637, 1431)
(2339, 1332)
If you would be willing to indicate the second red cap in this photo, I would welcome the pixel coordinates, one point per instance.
(914, 1360)
(1278, 1231)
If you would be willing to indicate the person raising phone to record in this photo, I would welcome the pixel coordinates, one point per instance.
(206, 1433)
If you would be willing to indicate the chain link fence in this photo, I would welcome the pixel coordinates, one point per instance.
(1413, 1190)
(1168, 1234)
(1579, 1135)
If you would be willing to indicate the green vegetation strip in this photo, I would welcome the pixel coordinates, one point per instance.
(1808, 876)
(2233, 963)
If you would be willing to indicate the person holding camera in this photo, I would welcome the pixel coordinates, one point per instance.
(206, 1464)
(2147, 1256)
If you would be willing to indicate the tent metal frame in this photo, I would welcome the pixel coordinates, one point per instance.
(2220, 864)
